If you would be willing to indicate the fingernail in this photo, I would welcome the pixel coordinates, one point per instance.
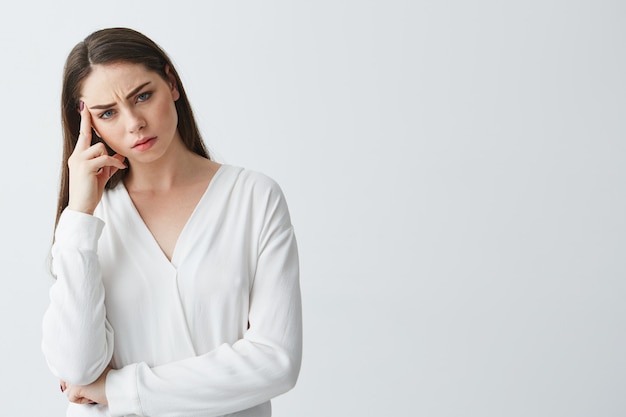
(81, 106)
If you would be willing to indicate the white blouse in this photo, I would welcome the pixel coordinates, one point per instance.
(217, 330)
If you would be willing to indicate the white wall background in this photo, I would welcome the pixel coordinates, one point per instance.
(455, 171)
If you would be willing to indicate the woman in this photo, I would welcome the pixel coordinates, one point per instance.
(176, 289)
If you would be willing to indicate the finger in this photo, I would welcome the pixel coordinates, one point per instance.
(119, 157)
(95, 165)
(109, 172)
(99, 149)
(79, 399)
(120, 162)
(74, 395)
(95, 150)
(114, 169)
(84, 137)
(85, 401)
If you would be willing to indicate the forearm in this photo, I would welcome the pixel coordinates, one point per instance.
(229, 379)
(77, 340)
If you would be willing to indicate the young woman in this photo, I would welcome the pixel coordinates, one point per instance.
(177, 284)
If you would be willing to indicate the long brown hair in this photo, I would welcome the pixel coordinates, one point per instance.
(108, 46)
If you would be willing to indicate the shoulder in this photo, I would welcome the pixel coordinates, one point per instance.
(256, 193)
(250, 182)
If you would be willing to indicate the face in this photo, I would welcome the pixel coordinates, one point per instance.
(132, 109)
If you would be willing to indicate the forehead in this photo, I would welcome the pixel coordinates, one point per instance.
(106, 81)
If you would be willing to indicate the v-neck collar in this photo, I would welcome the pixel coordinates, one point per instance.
(147, 236)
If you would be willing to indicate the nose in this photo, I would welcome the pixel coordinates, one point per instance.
(135, 121)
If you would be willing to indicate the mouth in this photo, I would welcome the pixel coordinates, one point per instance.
(143, 143)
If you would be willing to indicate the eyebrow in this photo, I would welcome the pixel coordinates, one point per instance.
(132, 93)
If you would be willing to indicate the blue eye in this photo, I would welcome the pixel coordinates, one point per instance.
(107, 114)
(144, 96)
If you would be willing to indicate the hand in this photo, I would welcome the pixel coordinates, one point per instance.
(93, 393)
(90, 168)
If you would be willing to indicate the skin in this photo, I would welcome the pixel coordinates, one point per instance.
(127, 104)
(87, 394)
(90, 169)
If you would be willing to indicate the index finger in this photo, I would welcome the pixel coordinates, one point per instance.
(84, 138)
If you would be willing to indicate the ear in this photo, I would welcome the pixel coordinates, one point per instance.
(172, 82)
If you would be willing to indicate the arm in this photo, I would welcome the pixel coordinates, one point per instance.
(233, 377)
(77, 339)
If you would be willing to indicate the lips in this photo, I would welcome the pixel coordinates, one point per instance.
(144, 143)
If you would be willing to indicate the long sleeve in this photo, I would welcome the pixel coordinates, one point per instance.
(77, 339)
(232, 377)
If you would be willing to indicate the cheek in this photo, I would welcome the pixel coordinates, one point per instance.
(171, 111)
(109, 134)
(99, 128)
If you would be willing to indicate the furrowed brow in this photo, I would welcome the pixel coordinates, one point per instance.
(136, 90)
(130, 95)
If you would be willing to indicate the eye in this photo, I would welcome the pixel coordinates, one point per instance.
(144, 96)
(106, 115)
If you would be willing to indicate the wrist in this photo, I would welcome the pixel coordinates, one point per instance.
(81, 208)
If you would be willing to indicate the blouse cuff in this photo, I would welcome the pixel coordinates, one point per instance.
(121, 392)
(79, 230)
